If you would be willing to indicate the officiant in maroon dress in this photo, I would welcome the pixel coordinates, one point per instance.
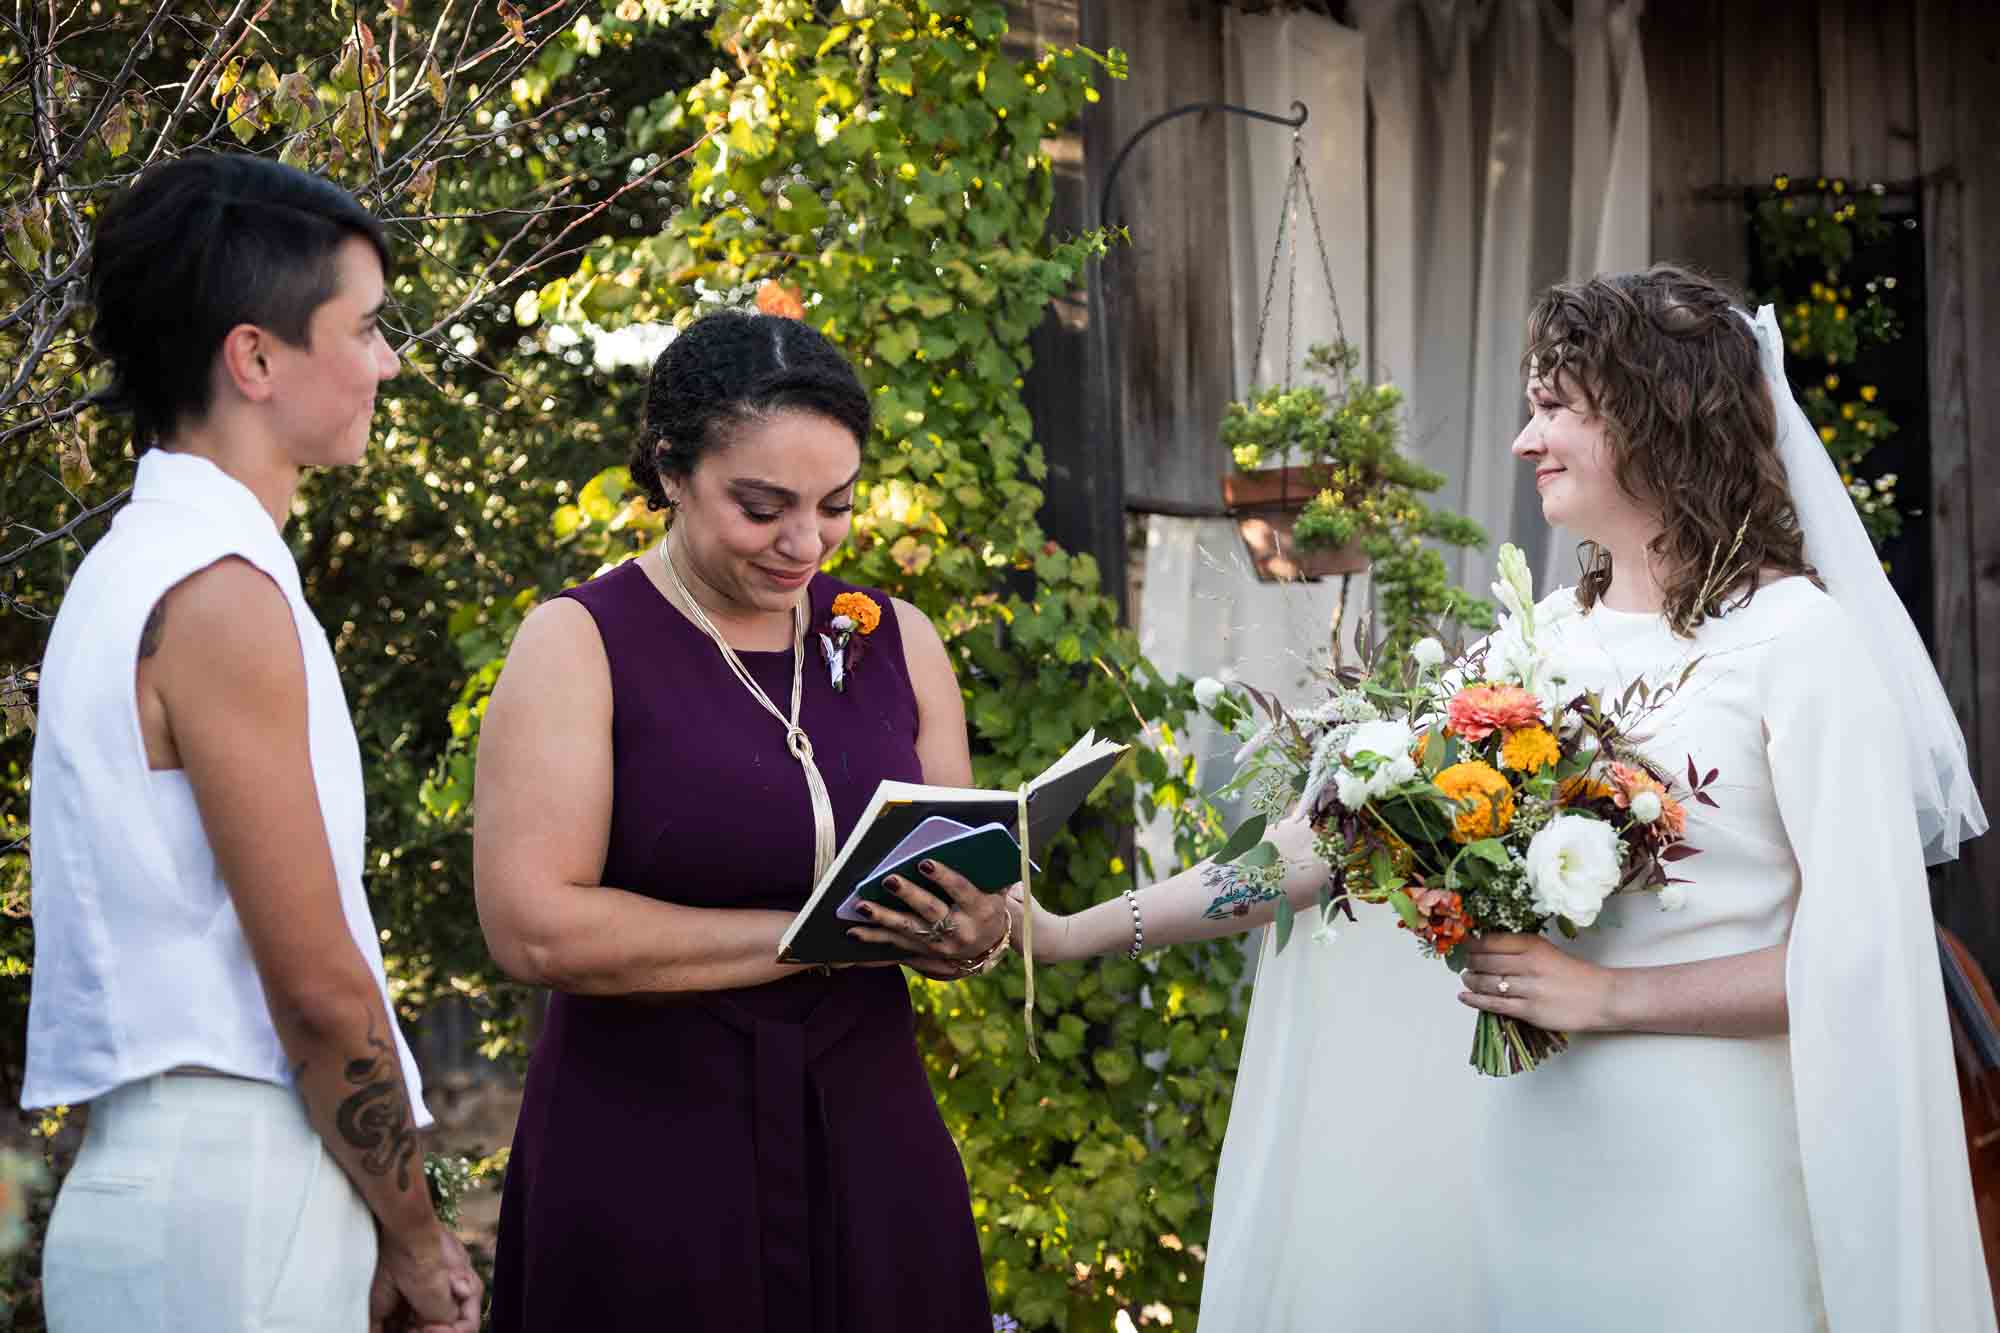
(710, 1140)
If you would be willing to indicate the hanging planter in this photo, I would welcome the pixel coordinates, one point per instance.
(1321, 485)
(1265, 506)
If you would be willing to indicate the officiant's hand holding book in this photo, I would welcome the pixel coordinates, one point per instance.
(877, 903)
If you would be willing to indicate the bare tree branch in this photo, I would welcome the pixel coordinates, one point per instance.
(67, 530)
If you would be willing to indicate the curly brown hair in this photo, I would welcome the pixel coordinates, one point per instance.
(1668, 362)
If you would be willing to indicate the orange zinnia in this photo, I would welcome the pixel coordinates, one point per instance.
(1477, 711)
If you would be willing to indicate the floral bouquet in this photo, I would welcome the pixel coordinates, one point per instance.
(1477, 794)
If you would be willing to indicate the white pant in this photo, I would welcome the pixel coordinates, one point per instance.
(206, 1205)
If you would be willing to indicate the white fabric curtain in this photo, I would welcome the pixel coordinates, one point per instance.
(1510, 152)
(1202, 610)
(1504, 146)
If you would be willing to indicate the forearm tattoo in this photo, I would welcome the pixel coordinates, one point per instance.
(375, 1118)
(1236, 891)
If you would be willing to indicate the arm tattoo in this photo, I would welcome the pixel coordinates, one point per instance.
(1236, 892)
(156, 624)
(375, 1118)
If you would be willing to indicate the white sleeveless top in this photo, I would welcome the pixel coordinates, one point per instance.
(140, 960)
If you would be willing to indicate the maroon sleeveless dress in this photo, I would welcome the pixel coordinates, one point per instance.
(768, 1159)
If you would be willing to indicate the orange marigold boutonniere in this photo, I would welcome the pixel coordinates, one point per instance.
(843, 636)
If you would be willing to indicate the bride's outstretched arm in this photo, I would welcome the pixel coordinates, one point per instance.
(1197, 904)
(1740, 995)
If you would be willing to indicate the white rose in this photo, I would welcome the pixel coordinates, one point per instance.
(1646, 807)
(1573, 867)
(1673, 897)
(1427, 652)
(1207, 692)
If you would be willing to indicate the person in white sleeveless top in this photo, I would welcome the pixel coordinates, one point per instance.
(207, 977)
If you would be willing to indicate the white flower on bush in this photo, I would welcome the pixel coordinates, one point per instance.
(1573, 867)
(1208, 692)
(1375, 759)
(1646, 806)
(1673, 897)
(1428, 653)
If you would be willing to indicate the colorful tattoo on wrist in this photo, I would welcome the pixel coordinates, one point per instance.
(1236, 891)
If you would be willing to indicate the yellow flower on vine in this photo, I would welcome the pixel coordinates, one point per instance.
(1868, 393)
(1827, 433)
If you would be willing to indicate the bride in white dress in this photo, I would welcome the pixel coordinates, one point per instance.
(1756, 1126)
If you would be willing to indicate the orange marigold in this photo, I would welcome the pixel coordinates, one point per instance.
(779, 298)
(1485, 800)
(1530, 750)
(1477, 711)
(861, 609)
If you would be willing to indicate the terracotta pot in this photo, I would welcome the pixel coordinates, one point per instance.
(1264, 506)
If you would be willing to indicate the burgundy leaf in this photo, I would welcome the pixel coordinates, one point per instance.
(1680, 851)
(1707, 800)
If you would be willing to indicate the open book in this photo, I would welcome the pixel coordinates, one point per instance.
(959, 826)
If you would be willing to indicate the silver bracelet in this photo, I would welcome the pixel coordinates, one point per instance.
(1138, 926)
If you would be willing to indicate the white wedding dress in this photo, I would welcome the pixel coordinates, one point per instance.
(1372, 1182)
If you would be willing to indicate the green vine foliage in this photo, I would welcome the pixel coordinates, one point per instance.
(880, 170)
(1366, 489)
(1830, 323)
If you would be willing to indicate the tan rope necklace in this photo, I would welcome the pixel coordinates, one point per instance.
(796, 740)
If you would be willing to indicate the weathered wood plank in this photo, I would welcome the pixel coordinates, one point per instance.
(1683, 45)
(1965, 907)
(1167, 300)
(1083, 503)
(1770, 90)
(1836, 97)
(1978, 52)
(1879, 114)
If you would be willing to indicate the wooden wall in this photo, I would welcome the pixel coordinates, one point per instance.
(1867, 89)
(1886, 92)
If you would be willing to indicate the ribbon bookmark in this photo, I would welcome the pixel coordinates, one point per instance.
(1027, 928)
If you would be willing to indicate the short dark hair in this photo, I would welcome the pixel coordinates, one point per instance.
(731, 367)
(196, 247)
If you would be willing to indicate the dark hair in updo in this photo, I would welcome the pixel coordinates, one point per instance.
(733, 367)
(196, 247)
(1670, 364)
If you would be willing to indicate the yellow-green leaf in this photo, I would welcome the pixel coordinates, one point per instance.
(434, 80)
(117, 130)
(225, 82)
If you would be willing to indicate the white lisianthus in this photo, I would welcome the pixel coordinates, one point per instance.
(1646, 806)
(1375, 759)
(1673, 897)
(1208, 692)
(1573, 865)
(1428, 653)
